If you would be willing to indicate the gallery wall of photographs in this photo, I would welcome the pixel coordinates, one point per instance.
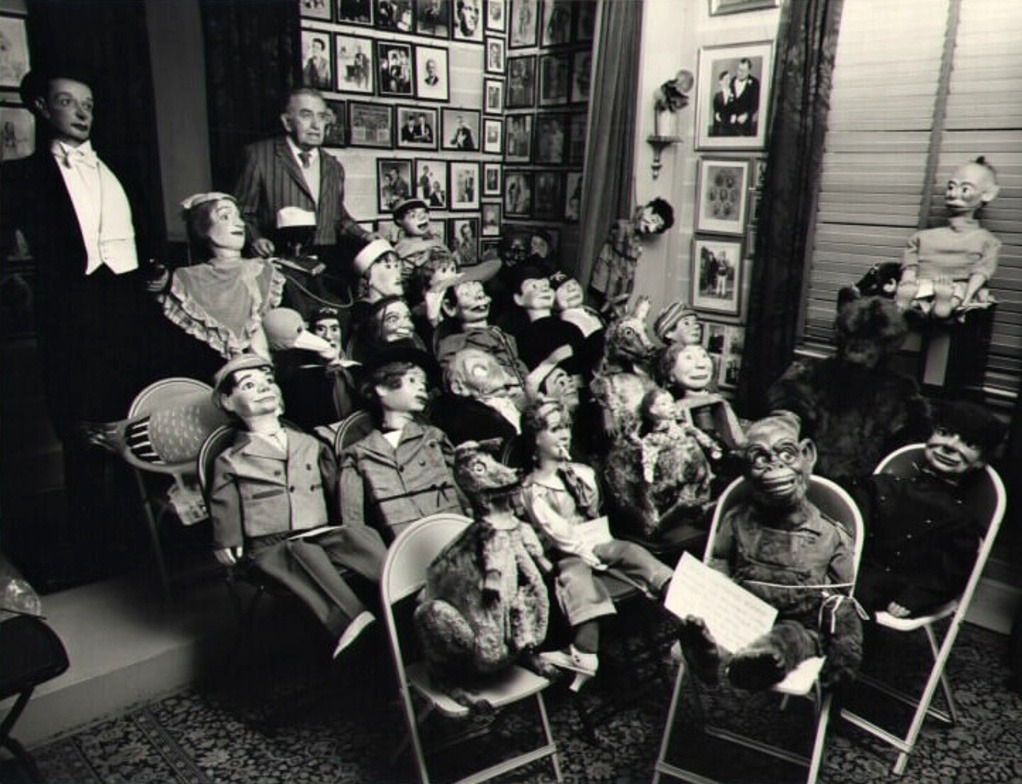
(477, 106)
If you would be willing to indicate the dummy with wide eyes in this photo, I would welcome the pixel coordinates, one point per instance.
(476, 374)
(777, 463)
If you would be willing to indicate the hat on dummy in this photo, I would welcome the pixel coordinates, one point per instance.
(522, 273)
(406, 205)
(240, 362)
(669, 317)
(368, 252)
(405, 351)
(324, 313)
(289, 217)
(196, 199)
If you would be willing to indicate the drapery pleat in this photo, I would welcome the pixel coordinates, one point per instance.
(251, 64)
(611, 128)
(806, 45)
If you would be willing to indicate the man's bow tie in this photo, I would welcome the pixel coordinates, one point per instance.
(74, 155)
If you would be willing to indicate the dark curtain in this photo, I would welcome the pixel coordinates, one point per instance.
(804, 68)
(252, 61)
(107, 45)
(609, 159)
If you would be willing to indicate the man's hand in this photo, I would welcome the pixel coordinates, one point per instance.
(263, 247)
(228, 556)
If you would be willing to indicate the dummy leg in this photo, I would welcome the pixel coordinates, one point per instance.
(770, 658)
(944, 298)
(700, 650)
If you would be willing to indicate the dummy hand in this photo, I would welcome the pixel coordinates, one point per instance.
(907, 289)
(545, 565)
(156, 276)
(898, 611)
(593, 562)
(228, 556)
(263, 247)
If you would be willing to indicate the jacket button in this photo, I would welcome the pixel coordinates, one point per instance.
(308, 467)
(276, 473)
(291, 488)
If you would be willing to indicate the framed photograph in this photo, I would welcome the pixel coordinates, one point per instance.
(432, 74)
(496, 16)
(521, 233)
(585, 19)
(465, 240)
(495, 56)
(716, 274)
(394, 64)
(722, 196)
(518, 138)
(556, 26)
(368, 225)
(355, 12)
(524, 24)
(714, 337)
(761, 173)
(18, 125)
(553, 79)
(750, 239)
(493, 135)
(14, 60)
(334, 135)
(752, 215)
(431, 182)
(395, 15)
(489, 248)
(467, 24)
(732, 348)
(551, 136)
(416, 128)
(733, 97)
(490, 219)
(370, 125)
(572, 196)
(433, 18)
(720, 7)
(581, 72)
(461, 129)
(521, 82)
(317, 67)
(464, 179)
(577, 140)
(517, 194)
(315, 9)
(355, 72)
(548, 196)
(393, 181)
(493, 179)
(493, 96)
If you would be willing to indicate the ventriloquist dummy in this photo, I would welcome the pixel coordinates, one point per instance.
(543, 332)
(945, 270)
(569, 305)
(402, 471)
(416, 242)
(854, 405)
(481, 401)
(687, 370)
(780, 547)
(562, 498)
(614, 270)
(678, 323)
(270, 499)
(386, 321)
(921, 535)
(379, 273)
(485, 605)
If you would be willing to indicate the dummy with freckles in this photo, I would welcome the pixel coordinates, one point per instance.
(687, 370)
(945, 270)
(779, 546)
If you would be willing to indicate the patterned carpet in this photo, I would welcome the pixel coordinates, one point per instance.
(202, 736)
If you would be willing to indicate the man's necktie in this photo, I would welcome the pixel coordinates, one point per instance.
(74, 156)
(306, 158)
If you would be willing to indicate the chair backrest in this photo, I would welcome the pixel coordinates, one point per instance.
(215, 443)
(167, 391)
(353, 428)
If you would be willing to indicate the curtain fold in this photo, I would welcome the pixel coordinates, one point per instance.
(803, 72)
(252, 61)
(609, 159)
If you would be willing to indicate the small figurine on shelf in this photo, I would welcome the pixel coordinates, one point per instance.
(945, 270)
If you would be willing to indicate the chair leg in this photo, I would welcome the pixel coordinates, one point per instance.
(7, 726)
(672, 713)
(26, 760)
(822, 719)
(548, 735)
(945, 683)
(154, 535)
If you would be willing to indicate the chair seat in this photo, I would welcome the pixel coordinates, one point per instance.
(911, 624)
(30, 653)
(503, 689)
(801, 680)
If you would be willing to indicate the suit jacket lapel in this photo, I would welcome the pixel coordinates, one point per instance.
(51, 181)
(329, 182)
(287, 160)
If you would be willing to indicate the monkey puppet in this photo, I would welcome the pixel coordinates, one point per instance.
(780, 547)
(485, 605)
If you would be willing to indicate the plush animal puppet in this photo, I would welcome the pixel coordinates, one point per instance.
(485, 605)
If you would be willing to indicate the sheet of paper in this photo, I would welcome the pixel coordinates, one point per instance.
(734, 616)
(593, 532)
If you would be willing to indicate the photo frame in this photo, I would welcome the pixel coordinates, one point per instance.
(316, 9)
(416, 127)
(750, 239)
(464, 181)
(393, 182)
(335, 134)
(551, 139)
(14, 56)
(493, 96)
(397, 16)
(355, 12)
(585, 20)
(577, 140)
(759, 181)
(521, 82)
(717, 272)
(467, 21)
(730, 339)
(518, 138)
(19, 141)
(354, 70)
(370, 125)
(433, 18)
(461, 128)
(521, 233)
(496, 55)
(431, 182)
(317, 60)
(555, 27)
(432, 73)
(581, 74)
(721, 7)
(490, 219)
(523, 24)
(752, 213)
(733, 96)
(465, 240)
(517, 194)
(548, 195)
(493, 179)
(572, 196)
(493, 135)
(553, 79)
(489, 248)
(394, 69)
(722, 196)
(496, 16)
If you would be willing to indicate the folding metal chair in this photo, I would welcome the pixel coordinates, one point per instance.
(404, 574)
(988, 499)
(803, 681)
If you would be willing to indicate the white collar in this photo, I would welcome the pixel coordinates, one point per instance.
(296, 150)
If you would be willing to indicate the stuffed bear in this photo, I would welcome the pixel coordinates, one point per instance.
(485, 605)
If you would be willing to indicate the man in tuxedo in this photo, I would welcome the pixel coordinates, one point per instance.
(744, 101)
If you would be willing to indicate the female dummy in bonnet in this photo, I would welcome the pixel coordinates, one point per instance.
(222, 300)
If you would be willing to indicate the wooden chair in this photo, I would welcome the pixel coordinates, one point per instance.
(404, 574)
(988, 500)
(804, 682)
